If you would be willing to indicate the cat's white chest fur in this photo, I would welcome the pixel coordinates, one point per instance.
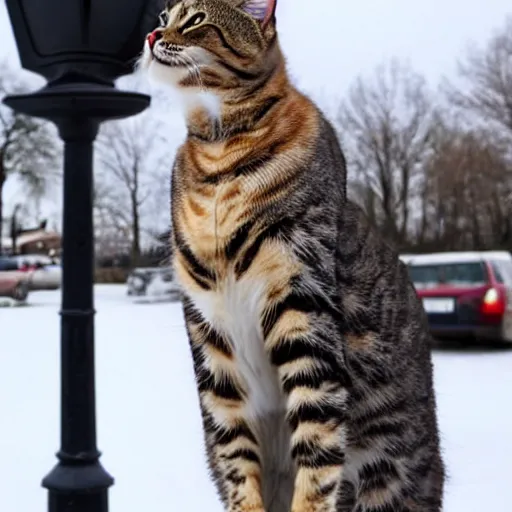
(234, 310)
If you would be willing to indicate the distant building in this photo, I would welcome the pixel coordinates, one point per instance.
(37, 240)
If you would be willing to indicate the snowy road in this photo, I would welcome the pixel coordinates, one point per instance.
(148, 419)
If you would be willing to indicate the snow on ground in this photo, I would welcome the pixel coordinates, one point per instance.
(148, 418)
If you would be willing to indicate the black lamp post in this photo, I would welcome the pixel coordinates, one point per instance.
(80, 47)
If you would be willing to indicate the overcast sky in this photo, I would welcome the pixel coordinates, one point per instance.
(329, 42)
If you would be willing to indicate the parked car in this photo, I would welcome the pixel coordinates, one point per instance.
(47, 274)
(152, 282)
(14, 281)
(465, 294)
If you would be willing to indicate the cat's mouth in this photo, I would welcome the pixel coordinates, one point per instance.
(169, 55)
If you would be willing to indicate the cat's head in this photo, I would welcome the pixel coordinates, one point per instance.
(214, 45)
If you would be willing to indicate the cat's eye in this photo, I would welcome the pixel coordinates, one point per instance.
(163, 18)
(193, 21)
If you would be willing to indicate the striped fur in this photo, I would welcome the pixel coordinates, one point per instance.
(309, 344)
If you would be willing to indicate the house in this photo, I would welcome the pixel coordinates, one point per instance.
(36, 240)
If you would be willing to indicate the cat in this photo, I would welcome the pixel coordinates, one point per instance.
(310, 347)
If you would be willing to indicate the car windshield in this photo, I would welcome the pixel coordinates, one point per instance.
(448, 274)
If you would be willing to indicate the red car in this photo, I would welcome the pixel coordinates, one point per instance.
(466, 295)
(14, 281)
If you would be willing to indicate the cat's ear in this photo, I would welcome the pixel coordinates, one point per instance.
(261, 10)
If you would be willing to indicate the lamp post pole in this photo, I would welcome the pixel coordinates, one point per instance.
(78, 468)
(14, 227)
(78, 483)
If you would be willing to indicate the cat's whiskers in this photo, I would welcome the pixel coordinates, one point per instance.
(194, 70)
(203, 98)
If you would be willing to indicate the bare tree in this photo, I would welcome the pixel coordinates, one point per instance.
(385, 126)
(467, 192)
(486, 81)
(134, 164)
(28, 146)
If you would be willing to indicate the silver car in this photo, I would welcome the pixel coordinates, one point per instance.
(153, 282)
(46, 273)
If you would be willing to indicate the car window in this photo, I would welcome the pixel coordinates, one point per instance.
(452, 274)
(497, 272)
(7, 264)
(503, 271)
(167, 276)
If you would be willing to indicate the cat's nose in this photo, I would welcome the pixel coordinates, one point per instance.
(154, 37)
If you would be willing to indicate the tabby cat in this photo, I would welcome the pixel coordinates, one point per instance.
(310, 346)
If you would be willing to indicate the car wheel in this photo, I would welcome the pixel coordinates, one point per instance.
(20, 293)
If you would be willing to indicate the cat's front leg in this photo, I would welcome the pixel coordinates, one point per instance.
(233, 451)
(302, 340)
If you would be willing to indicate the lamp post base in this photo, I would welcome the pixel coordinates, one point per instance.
(85, 503)
(78, 483)
(65, 495)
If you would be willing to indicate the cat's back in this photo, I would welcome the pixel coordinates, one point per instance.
(376, 286)
(388, 352)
